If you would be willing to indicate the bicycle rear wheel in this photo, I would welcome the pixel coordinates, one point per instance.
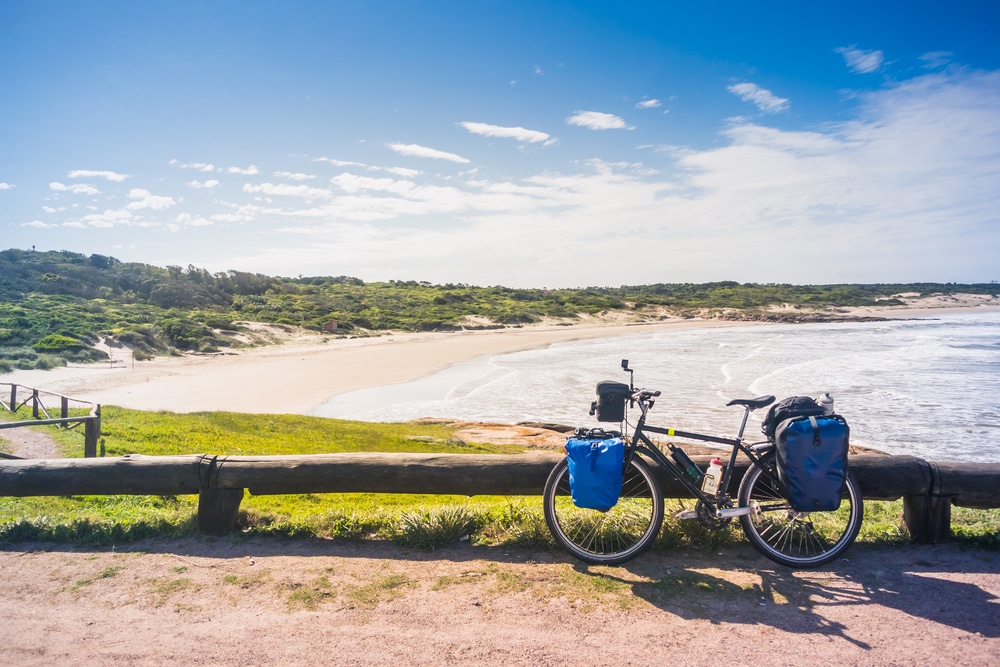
(797, 539)
(612, 537)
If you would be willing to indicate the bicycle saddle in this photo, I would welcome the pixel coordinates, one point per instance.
(753, 403)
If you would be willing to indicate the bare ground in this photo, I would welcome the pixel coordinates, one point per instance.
(309, 602)
(29, 443)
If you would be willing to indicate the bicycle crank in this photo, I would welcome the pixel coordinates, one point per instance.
(719, 514)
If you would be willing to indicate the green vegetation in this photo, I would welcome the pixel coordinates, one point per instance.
(56, 306)
(422, 521)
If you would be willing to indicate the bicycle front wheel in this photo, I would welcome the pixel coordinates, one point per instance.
(612, 537)
(797, 539)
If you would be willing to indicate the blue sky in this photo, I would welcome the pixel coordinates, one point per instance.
(515, 143)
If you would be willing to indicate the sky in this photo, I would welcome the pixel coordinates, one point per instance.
(526, 144)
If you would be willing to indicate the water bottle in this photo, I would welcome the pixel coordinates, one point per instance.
(826, 402)
(713, 477)
(687, 465)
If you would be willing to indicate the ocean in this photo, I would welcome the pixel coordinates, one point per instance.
(927, 387)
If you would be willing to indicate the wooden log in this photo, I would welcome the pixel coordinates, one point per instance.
(891, 477)
(453, 474)
(127, 475)
(969, 484)
(880, 477)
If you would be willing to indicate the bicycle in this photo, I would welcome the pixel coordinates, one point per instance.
(782, 534)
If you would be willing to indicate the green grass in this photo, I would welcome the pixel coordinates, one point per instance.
(420, 521)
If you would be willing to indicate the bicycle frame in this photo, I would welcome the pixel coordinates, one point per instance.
(640, 443)
(609, 537)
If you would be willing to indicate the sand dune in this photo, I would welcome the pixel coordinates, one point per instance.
(308, 368)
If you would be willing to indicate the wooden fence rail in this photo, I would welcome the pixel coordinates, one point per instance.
(91, 422)
(928, 489)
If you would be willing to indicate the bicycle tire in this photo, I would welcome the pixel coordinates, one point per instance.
(797, 539)
(606, 538)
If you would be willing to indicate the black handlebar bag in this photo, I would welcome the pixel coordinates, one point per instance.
(812, 461)
(610, 403)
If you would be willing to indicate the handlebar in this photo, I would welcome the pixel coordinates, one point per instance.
(643, 394)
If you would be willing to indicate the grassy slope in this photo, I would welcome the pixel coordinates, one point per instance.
(416, 520)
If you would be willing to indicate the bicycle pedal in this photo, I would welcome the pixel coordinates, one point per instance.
(683, 515)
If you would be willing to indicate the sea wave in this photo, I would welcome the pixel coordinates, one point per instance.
(925, 387)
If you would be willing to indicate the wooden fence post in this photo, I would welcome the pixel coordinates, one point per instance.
(928, 516)
(13, 397)
(64, 404)
(91, 433)
(34, 403)
(218, 509)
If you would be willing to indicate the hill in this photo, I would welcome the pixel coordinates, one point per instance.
(54, 306)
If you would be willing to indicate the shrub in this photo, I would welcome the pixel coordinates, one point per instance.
(55, 343)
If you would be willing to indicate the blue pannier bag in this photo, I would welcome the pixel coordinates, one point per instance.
(595, 471)
(812, 461)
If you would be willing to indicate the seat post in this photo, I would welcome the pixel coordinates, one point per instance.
(743, 424)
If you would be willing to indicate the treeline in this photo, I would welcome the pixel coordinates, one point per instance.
(57, 305)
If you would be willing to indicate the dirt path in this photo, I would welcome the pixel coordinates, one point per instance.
(29, 443)
(310, 602)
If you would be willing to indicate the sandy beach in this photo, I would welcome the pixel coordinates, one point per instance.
(301, 373)
(308, 368)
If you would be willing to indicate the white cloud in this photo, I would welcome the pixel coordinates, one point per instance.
(286, 190)
(859, 60)
(906, 190)
(762, 98)
(648, 104)
(518, 133)
(249, 171)
(230, 217)
(538, 71)
(596, 120)
(87, 173)
(6, 186)
(293, 176)
(189, 220)
(414, 150)
(339, 163)
(399, 171)
(936, 59)
(107, 219)
(38, 224)
(404, 172)
(200, 166)
(207, 185)
(75, 188)
(49, 209)
(354, 183)
(145, 199)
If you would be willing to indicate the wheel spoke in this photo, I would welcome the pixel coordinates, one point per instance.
(614, 536)
(797, 539)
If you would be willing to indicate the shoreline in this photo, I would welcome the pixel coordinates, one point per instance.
(307, 370)
(301, 374)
